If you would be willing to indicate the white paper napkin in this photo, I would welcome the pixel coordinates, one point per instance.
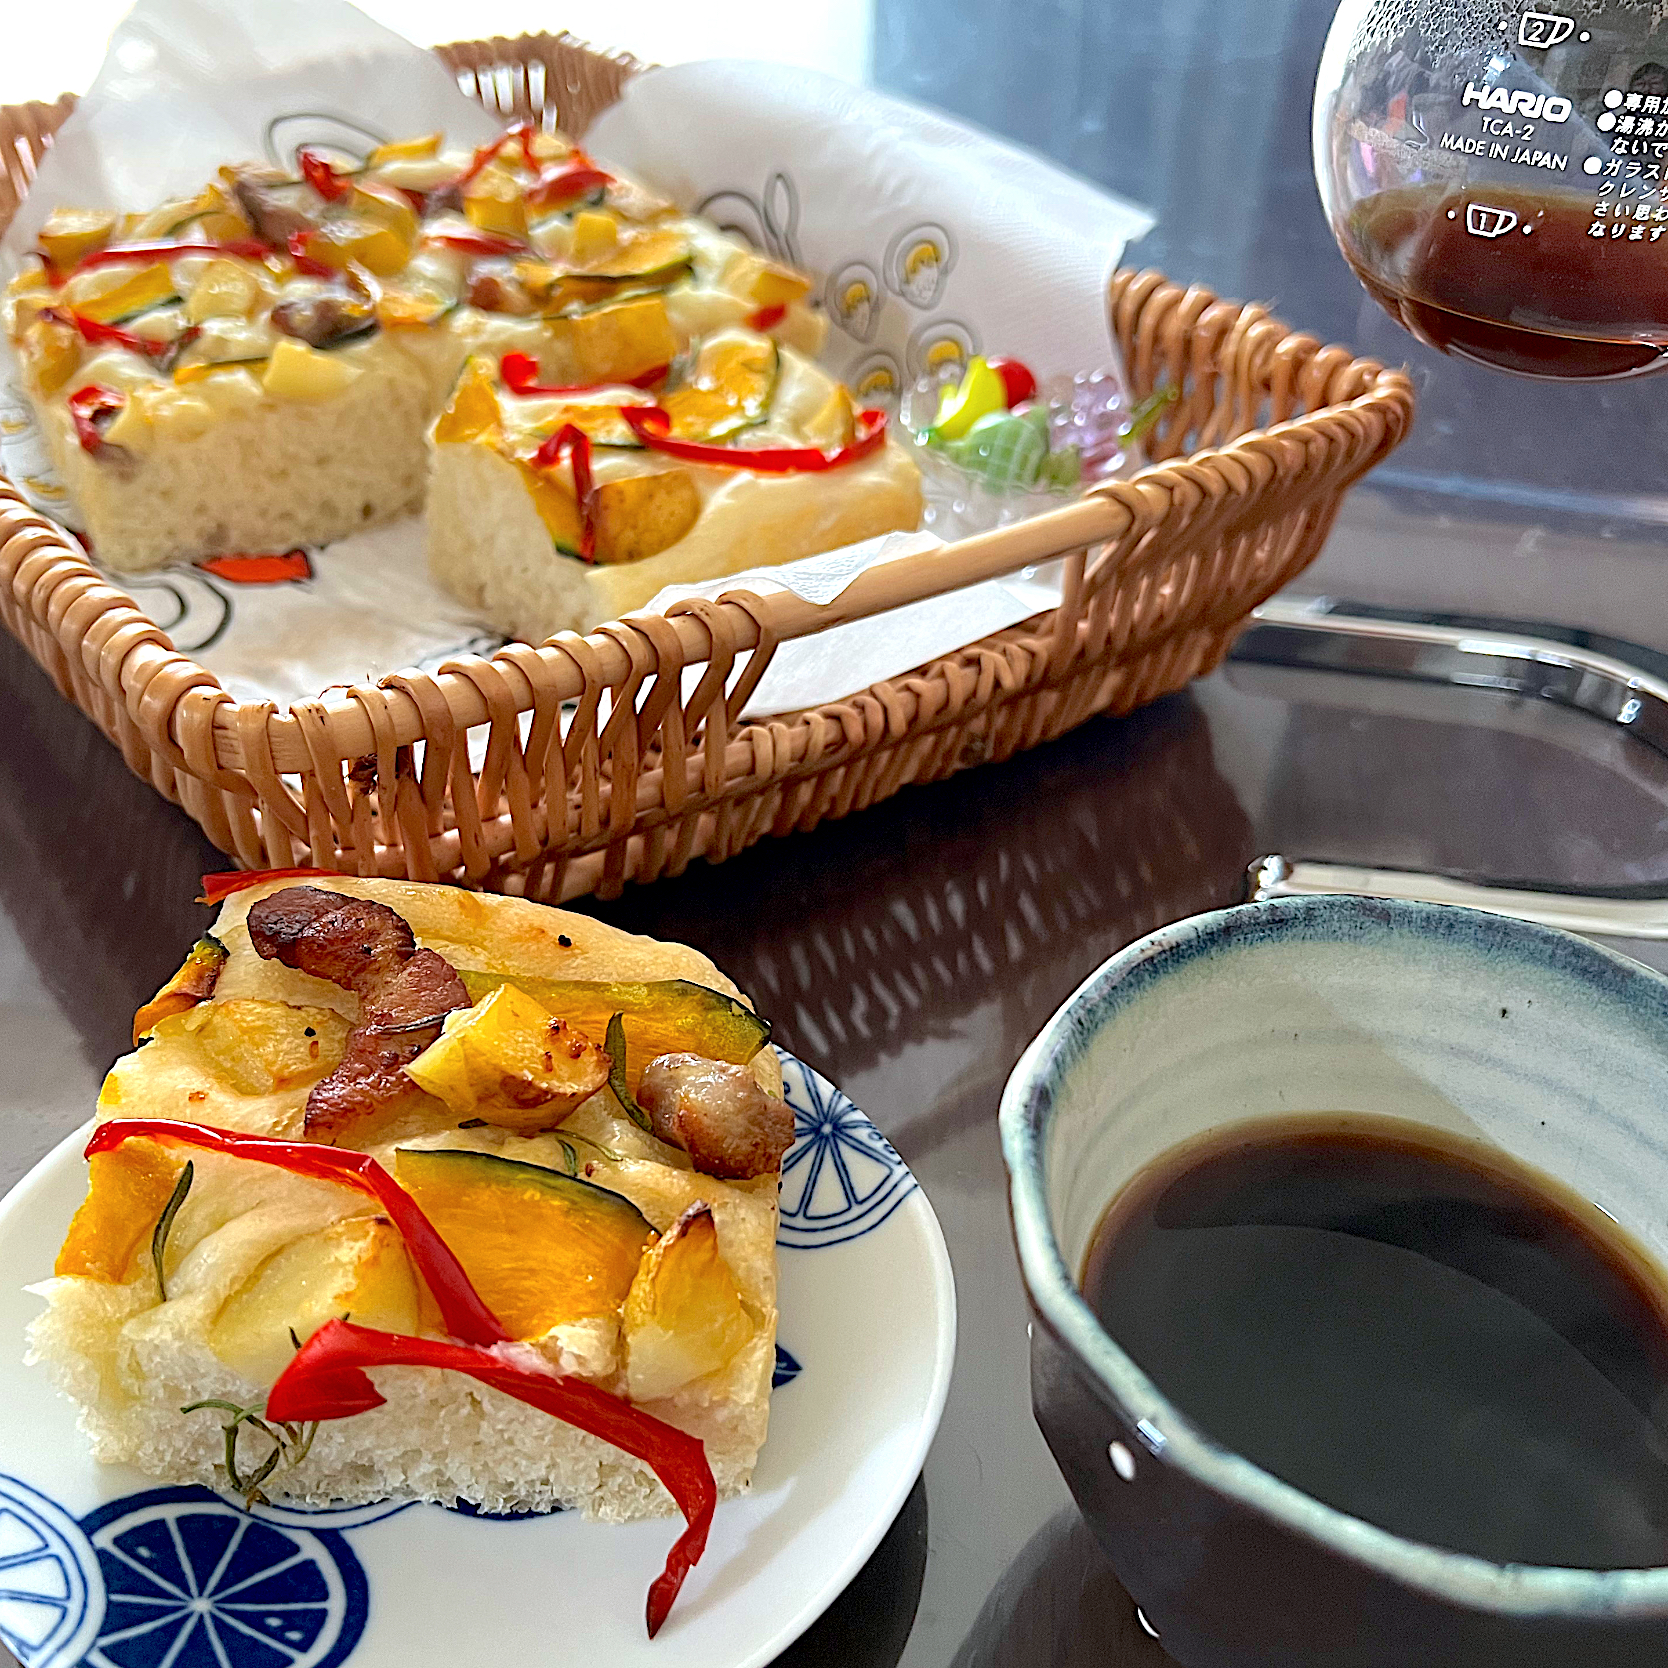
(810, 671)
(924, 231)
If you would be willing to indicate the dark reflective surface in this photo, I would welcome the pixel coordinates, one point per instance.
(911, 953)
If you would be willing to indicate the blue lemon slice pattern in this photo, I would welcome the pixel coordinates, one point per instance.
(841, 1178)
(191, 1581)
(51, 1600)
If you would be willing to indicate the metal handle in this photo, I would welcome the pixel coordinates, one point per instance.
(1634, 917)
(1618, 682)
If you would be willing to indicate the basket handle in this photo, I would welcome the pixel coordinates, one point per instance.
(1093, 519)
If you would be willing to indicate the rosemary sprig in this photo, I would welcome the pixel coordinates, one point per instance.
(614, 1042)
(568, 1136)
(290, 1444)
(159, 1236)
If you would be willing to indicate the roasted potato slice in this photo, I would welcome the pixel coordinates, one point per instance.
(358, 1267)
(683, 1315)
(511, 1061)
(641, 515)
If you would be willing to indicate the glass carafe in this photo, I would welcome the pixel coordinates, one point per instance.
(1497, 175)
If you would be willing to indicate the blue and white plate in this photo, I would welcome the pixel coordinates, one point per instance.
(100, 1565)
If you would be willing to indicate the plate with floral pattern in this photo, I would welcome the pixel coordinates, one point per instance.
(104, 1566)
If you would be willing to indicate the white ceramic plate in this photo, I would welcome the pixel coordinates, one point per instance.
(99, 1565)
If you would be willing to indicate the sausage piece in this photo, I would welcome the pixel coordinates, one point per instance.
(718, 1114)
(404, 993)
(319, 320)
(274, 220)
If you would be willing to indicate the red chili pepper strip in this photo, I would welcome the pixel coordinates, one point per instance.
(326, 1379)
(570, 180)
(248, 249)
(465, 1315)
(488, 152)
(88, 404)
(223, 883)
(519, 372)
(304, 263)
(650, 424)
(571, 439)
(324, 179)
(478, 243)
(112, 335)
(767, 317)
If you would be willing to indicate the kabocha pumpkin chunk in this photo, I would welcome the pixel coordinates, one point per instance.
(557, 508)
(260, 1047)
(727, 389)
(126, 1192)
(650, 259)
(661, 1016)
(542, 1248)
(763, 282)
(657, 256)
(70, 233)
(618, 341)
(193, 983)
(641, 515)
(388, 207)
(51, 353)
(595, 236)
(683, 1315)
(374, 244)
(413, 305)
(144, 287)
(511, 1061)
(358, 1267)
(419, 149)
(599, 419)
(494, 202)
(473, 408)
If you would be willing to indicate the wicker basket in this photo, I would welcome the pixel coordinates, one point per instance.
(1271, 428)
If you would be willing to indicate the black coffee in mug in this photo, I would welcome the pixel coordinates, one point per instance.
(1408, 1326)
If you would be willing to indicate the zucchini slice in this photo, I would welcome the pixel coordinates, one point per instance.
(653, 259)
(151, 286)
(727, 388)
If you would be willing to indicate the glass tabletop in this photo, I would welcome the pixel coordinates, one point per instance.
(911, 953)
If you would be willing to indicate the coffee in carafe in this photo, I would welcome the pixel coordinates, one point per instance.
(1497, 176)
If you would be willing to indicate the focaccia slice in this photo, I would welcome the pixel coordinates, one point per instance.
(599, 1245)
(537, 547)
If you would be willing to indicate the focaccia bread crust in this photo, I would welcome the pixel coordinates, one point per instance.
(133, 1362)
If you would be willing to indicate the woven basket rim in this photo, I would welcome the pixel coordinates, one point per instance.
(1219, 473)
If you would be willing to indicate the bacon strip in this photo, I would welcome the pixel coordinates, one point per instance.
(404, 994)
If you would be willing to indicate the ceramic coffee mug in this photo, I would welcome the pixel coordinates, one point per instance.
(1530, 1039)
